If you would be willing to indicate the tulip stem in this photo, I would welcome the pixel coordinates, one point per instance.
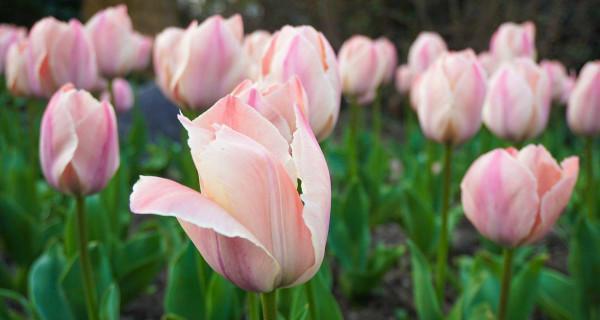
(353, 138)
(377, 119)
(269, 305)
(310, 296)
(442, 256)
(589, 164)
(84, 258)
(505, 289)
(252, 302)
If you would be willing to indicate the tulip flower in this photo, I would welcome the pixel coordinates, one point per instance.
(568, 86)
(79, 146)
(403, 79)
(425, 50)
(583, 112)
(55, 53)
(518, 101)
(361, 68)
(255, 45)
(488, 62)
(9, 34)
(514, 197)
(122, 95)
(513, 40)
(557, 75)
(388, 59)
(262, 217)
(304, 52)
(197, 66)
(451, 96)
(119, 49)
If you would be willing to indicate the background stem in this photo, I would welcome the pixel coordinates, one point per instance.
(377, 118)
(589, 168)
(253, 310)
(84, 258)
(269, 305)
(353, 138)
(442, 256)
(505, 289)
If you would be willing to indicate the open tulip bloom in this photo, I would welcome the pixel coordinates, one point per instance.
(262, 217)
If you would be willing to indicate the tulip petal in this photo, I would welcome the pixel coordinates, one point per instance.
(229, 247)
(542, 165)
(250, 183)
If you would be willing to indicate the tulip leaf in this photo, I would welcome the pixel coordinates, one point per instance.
(524, 289)
(45, 291)
(555, 295)
(418, 220)
(16, 299)
(426, 302)
(110, 303)
(185, 295)
(584, 265)
(19, 231)
(222, 299)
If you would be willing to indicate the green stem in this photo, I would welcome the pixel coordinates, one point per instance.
(377, 119)
(589, 169)
(312, 305)
(252, 302)
(505, 289)
(353, 139)
(442, 256)
(269, 305)
(86, 267)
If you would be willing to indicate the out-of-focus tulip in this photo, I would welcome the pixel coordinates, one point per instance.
(255, 45)
(17, 80)
(252, 223)
(451, 94)
(403, 79)
(583, 112)
(361, 68)
(557, 75)
(197, 66)
(9, 34)
(568, 86)
(54, 54)
(122, 95)
(79, 145)
(488, 62)
(304, 52)
(423, 52)
(517, 105)
(388, 58)
(513, 40)
(119, 49)
(515, 197)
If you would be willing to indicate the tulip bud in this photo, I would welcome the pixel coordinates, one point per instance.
(568, 86)
(488, 62)
(198, 66)
(255, 45)
(425, 50)
(513, 40)
(403, 79)
(251, 222)
(79, 145)
(515, 197)
(583, 112)
(17, 80)
(450, 97)
(557, 75)
(119, 49)
(304, 52)
(517, 105)
(360, 68)
(122, 95)
(9, 34)
(388, 59)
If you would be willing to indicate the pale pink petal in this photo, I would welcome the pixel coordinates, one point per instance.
(542, 165)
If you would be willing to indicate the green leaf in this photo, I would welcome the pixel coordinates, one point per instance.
(327, 306)
(524, 288)
(109, 303)
(72, 279)
(16, 298)
(45, 291)
(555, 295)
(426, 302)
(584, 265)
(418, 220)
(222, 299)
(185, 295)
(19, 232)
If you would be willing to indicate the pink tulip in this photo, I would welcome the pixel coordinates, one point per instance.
(450, 97)
(583, 112)
(304, 52)
(9, 34)
(388, 59)
(488, 61)
(361, 68)
(197, 66)
(423, 52)
(518, 101)
(250, 222)
(54, 54)
(515, 197)
(255, 45)
(122, 95)
(79, 145)
(404, 79)
(17, 80)
(568, 86)
(557, 75)
(513, 40)
(119, 49)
